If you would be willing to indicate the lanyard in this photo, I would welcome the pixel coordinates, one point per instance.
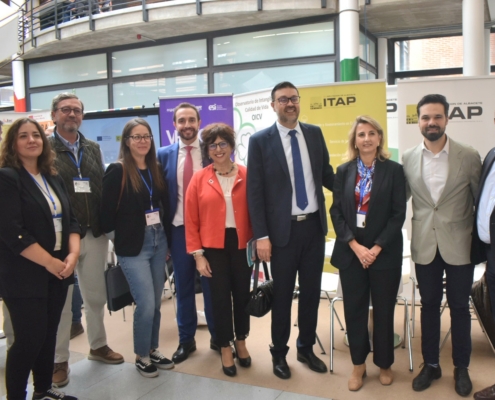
(47, 193)
(150, 189)
(78, 162)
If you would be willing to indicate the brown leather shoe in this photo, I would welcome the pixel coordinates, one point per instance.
(106, 354)
(60, 376)
(76, 329)
(386, 376)
(356, 380)
(485, 394)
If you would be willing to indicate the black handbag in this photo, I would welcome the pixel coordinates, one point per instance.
(261, 297)
(118, 291)
(482, 303)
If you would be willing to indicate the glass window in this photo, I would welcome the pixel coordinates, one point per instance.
(148, 91)
(94, 98)
(6, 96)
(492, 48)
(365, 75)
(170, 57)
(292, 41)
(263, 78)
(71, 70)
(367, 49)
(434, 53)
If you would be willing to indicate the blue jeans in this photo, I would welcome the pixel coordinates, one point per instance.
(146, 276)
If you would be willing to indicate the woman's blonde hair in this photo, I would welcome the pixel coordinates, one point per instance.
(352, 150)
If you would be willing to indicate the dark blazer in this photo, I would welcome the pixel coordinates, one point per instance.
(478, 248)
(168, 157)
(384, 219)
(269, 185)
(127, 218)
(25, 219)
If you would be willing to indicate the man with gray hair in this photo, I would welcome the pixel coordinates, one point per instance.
(79, 163)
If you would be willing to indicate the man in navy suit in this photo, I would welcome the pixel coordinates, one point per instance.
(288, 163)
(175, 160)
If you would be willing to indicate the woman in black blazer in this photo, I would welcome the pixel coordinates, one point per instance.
(39, 248)
(135, 207)
(368, 211)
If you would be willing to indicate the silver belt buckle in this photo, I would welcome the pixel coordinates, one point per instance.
(301, 217)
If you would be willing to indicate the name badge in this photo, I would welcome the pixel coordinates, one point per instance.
(81, 185)
(57, 223)
(152, 217)
(360, 220)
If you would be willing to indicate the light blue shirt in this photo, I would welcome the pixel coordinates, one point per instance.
(485, 209)
(308, 173)
(74, 147)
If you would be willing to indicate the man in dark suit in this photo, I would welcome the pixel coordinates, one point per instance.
(179, 161)
(288, 163)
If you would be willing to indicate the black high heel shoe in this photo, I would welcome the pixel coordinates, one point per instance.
(243, 362)
(229, 371)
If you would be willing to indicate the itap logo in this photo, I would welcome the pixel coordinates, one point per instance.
(411, 114)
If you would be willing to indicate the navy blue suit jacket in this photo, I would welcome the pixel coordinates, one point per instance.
(269, 185)
(478, 252)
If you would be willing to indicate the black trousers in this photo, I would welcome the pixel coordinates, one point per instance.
(35, 322)
(230, 286)
(490, 275)
(459, 282)
(358, 284)
(303, 255)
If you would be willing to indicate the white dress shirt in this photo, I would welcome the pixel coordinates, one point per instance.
(435, 170)
(308, 173)
(197, 165)
(485, 208)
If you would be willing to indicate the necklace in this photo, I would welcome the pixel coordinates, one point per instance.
(224, 173)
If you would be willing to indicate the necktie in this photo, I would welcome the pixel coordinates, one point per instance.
(188, 172)
(301, 196)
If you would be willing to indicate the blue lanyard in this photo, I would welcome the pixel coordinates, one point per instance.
(47, 192)
(149, 189)
(78, 162)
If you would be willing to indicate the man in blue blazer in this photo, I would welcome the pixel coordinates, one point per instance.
(288, 164)
(173, 159)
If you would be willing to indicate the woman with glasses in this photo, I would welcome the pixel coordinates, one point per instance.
(135, 206)
(368, 211)
(217, 231)
(39, 248)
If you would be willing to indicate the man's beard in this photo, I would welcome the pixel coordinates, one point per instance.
(433, 136)
(188, 137)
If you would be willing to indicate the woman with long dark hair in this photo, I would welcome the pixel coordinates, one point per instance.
(135, 204)
(39, 248)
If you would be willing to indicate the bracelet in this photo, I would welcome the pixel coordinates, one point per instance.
(198, 254)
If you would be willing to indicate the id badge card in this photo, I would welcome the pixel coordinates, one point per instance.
(81, 185)
(57, 223)
(152, 217)
(360, 220)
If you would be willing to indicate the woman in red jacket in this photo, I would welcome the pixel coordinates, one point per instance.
(217, 231)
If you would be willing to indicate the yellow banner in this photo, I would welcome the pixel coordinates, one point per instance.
(334, 109)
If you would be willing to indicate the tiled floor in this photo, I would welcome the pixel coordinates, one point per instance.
(96, 381)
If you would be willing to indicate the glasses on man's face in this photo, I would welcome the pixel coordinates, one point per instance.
(68, 110)
(222, 145)
(285, 100)
(138, 138)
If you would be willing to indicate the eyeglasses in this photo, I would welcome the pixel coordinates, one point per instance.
(68, 110)
(138, 138)
(285, 100)
(213, 146)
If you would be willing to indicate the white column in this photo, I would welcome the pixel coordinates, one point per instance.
(349, 39)
(19, 86)
(487, 52)
(474, 37)
(382, 58)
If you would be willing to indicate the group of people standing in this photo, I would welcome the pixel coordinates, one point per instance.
(191, 201)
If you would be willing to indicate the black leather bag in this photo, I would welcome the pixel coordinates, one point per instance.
(481, 299)
(260, 302)
(118, 291)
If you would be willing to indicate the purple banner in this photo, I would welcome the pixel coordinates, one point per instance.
(212, 108)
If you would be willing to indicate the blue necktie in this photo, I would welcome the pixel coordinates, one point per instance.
(301, 196)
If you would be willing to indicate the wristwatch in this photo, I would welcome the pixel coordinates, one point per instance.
(198, 253)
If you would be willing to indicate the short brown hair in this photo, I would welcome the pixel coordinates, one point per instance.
(212, 131)
(8, 153)
(64, 96)
(352, 151)
(186, 105)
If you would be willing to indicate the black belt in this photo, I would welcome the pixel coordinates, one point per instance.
(304, 217)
